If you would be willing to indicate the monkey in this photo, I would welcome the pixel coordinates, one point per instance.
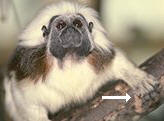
(64, 56)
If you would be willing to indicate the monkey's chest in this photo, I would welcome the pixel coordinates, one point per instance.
(73, 81)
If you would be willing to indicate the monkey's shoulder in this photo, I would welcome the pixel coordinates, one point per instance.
(99, 59)
(28, 61)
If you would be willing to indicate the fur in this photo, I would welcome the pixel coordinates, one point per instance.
(32, 63)
(72, 80)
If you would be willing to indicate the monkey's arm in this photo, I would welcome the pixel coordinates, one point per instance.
(125, 70)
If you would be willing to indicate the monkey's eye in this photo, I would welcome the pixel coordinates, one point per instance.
(60, 25)
(77, 23)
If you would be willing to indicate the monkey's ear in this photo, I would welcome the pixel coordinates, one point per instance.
(45, 31)
(90, 26)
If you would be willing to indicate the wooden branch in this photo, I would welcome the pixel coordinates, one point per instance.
(105, 110)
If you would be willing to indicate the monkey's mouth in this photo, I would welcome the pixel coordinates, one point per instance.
(71, 38)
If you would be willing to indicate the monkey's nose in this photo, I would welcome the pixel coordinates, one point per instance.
(71, 38)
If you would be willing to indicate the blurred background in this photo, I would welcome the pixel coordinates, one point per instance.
(136, 26)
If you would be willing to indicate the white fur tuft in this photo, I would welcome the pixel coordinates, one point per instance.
(32, 35)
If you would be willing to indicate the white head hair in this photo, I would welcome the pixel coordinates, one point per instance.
(32, 35)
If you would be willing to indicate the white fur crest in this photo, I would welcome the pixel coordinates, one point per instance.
(32, 35)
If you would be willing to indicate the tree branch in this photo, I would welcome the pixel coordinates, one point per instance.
(104, 110)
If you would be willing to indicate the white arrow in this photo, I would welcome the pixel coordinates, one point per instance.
(127, 97)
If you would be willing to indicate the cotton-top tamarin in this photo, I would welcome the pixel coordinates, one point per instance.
(64, 56)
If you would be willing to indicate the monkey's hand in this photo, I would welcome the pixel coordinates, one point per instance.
(146, 84)
(146, 90)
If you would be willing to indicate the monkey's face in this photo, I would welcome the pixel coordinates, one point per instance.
(68, 34)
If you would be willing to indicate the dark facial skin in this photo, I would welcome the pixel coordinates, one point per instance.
(68, 35)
